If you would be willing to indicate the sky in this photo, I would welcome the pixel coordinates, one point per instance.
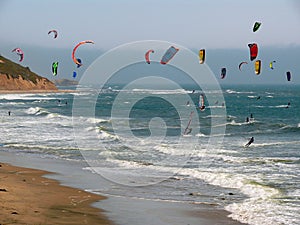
(195, 24)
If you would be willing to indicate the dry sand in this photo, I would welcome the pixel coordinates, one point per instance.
(26, 197)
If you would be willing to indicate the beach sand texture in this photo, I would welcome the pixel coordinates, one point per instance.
(26, 197)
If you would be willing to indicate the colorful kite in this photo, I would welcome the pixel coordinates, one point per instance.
(74, 50)
(147, 55)
(170, 53)
(253, 51)
(271, 64)
(54, 68)
(257, 66)
(202, 56)
(20, 53)
(256, 26)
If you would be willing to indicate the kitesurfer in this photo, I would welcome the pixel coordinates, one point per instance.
(250, 142)
(9, 113)
(188, 131)
(247, 119)
(202, 107)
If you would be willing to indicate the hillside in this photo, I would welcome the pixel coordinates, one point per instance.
(65, 82)
(13, 76)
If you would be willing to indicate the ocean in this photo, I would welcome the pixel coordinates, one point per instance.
(134, 139)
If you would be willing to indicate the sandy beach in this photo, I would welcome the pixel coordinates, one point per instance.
(29, 198)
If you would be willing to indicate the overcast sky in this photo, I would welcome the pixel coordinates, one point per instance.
(195, 24)
(191, 23)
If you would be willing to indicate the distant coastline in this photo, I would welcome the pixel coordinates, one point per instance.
(36, 91)
(65, 82)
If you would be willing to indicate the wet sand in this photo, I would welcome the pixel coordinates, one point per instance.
(26, 197)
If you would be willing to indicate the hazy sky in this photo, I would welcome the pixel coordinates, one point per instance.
(195, 24)
(191, 23)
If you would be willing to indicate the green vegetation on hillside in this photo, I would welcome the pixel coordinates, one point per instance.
(15, 70)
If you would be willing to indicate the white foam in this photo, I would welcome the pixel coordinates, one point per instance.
(259, 208)
(33, 110)
(105, 135)
(159, 92)
(96, 120)
(200, 135)
(229, 91)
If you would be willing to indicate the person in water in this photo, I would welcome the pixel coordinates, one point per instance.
(250, 142)
(202, 108)
(188, 131)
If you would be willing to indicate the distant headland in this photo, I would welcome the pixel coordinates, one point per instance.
(16, 78)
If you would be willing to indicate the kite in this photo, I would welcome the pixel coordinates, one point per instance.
(170, 53)
(147, 55)
(253, 51)
(223, 73)
(74, 74)
(288, 75)
(257, 66)
(20, 53)
(201, 102)
(201, 56)
(256, 26)
(54, 68)
(240, 65)
(271, 64)
(75, 48)
(53, 31)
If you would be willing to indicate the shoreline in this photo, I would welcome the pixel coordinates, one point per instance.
(36, 91)
(94, 207)
(27, 197)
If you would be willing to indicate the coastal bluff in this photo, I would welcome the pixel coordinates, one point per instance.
(14, 77)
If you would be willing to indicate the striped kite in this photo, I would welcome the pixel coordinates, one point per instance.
(257, 66)
(201, 56)
(170, 53)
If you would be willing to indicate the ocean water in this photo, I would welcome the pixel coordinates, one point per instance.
(133, 138)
